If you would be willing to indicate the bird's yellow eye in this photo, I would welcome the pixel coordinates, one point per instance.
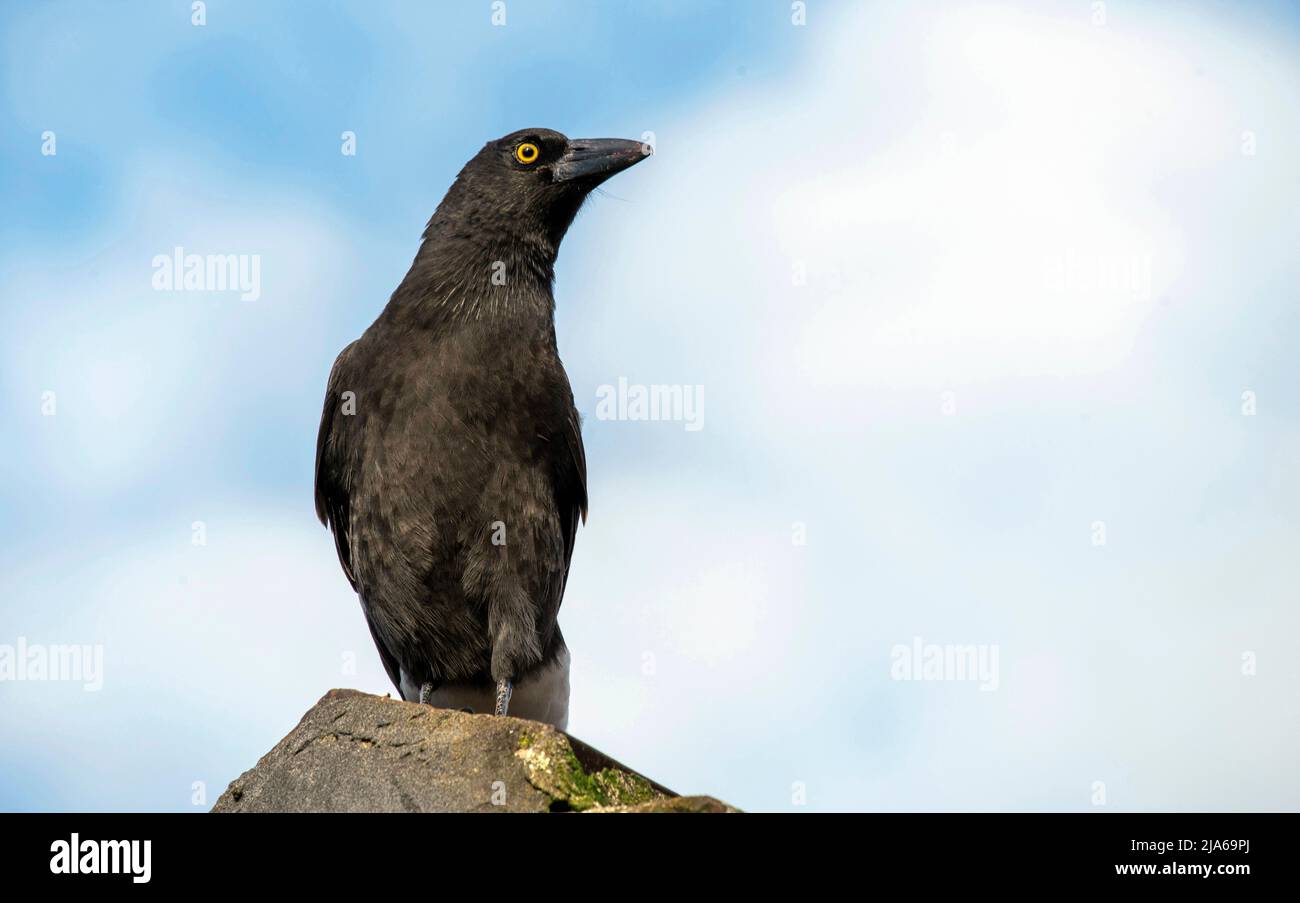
(527, 153)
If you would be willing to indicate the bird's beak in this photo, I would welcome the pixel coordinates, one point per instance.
(597, 159)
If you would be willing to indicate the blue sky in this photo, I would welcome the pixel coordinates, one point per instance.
(959, 282)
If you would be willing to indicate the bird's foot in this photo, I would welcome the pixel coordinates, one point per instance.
(504, 689)
(426, 690)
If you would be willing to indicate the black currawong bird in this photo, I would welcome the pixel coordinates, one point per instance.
(449, 464)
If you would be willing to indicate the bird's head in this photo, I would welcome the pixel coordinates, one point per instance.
(530, 184)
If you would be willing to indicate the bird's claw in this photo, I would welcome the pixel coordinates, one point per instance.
(504, 689)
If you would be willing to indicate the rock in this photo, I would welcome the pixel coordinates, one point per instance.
(353, 752)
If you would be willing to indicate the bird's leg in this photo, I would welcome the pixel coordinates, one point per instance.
(426, 690)
(504, 689)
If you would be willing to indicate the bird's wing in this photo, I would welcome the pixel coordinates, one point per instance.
(331, 482)
(571, 484)
(332, 495)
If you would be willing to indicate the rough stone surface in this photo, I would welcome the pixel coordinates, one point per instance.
(353, 752)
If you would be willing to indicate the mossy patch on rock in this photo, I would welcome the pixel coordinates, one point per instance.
(555, 771)
(688, 804)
